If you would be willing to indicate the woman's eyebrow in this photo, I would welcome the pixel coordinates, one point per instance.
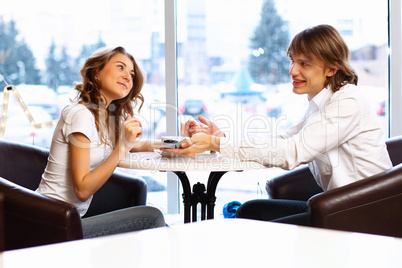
(118, 61)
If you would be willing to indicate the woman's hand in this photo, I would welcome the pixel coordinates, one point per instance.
(198, 143)
(132, 130)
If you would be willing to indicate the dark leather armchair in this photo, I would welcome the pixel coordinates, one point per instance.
(32, 219)
(372, 205)
(1, 223)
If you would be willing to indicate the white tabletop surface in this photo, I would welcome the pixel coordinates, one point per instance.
(201, 162)
(217, 243)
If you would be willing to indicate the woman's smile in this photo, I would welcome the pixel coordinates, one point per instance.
(124, 85)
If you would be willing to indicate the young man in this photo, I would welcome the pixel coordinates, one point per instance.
(339, 136)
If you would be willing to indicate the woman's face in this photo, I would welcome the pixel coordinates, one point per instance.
(308, 76)
(116, 78)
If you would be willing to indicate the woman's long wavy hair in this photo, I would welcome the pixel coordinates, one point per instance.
(108, 120)
(325, 43)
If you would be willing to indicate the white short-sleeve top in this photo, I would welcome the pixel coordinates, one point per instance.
(57, 180)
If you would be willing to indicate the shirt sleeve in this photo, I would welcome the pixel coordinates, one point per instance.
(78, 119)
(325, 129)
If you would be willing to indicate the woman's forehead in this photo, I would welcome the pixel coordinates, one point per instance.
(122, 58)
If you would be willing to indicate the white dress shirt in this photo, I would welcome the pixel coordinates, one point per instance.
(339, 137)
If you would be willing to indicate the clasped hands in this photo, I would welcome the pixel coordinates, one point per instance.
(204, 136)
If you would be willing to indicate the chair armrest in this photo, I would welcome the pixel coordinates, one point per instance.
(120, 191)
(32, 219)
(298, 184)
(372, 205)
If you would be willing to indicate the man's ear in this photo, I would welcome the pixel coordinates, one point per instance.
(332, 72)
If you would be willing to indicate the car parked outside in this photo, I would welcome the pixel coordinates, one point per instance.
(193, 107)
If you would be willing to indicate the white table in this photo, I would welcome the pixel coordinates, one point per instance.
(213, 162)
(218, 243)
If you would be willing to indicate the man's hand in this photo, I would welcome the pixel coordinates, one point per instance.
(190, 128)
(209, 127)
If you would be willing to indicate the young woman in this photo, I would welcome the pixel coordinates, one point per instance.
(339, 136)
(93, 135)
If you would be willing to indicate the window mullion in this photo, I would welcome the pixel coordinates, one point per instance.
(171, 97)
(395, 100)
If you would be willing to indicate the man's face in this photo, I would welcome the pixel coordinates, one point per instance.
(308, 76)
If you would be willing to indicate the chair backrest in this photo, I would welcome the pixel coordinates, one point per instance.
(1, 222)
(394, 147)
(22, 164)
(298, 184)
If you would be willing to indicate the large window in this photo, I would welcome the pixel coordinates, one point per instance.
(231, 65)
(234, 70)
(44, 43)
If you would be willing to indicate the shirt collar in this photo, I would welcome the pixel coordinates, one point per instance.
(319, 101)
(322, 98)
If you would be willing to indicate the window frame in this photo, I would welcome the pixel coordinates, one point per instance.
(173, 205)
(395, 68)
